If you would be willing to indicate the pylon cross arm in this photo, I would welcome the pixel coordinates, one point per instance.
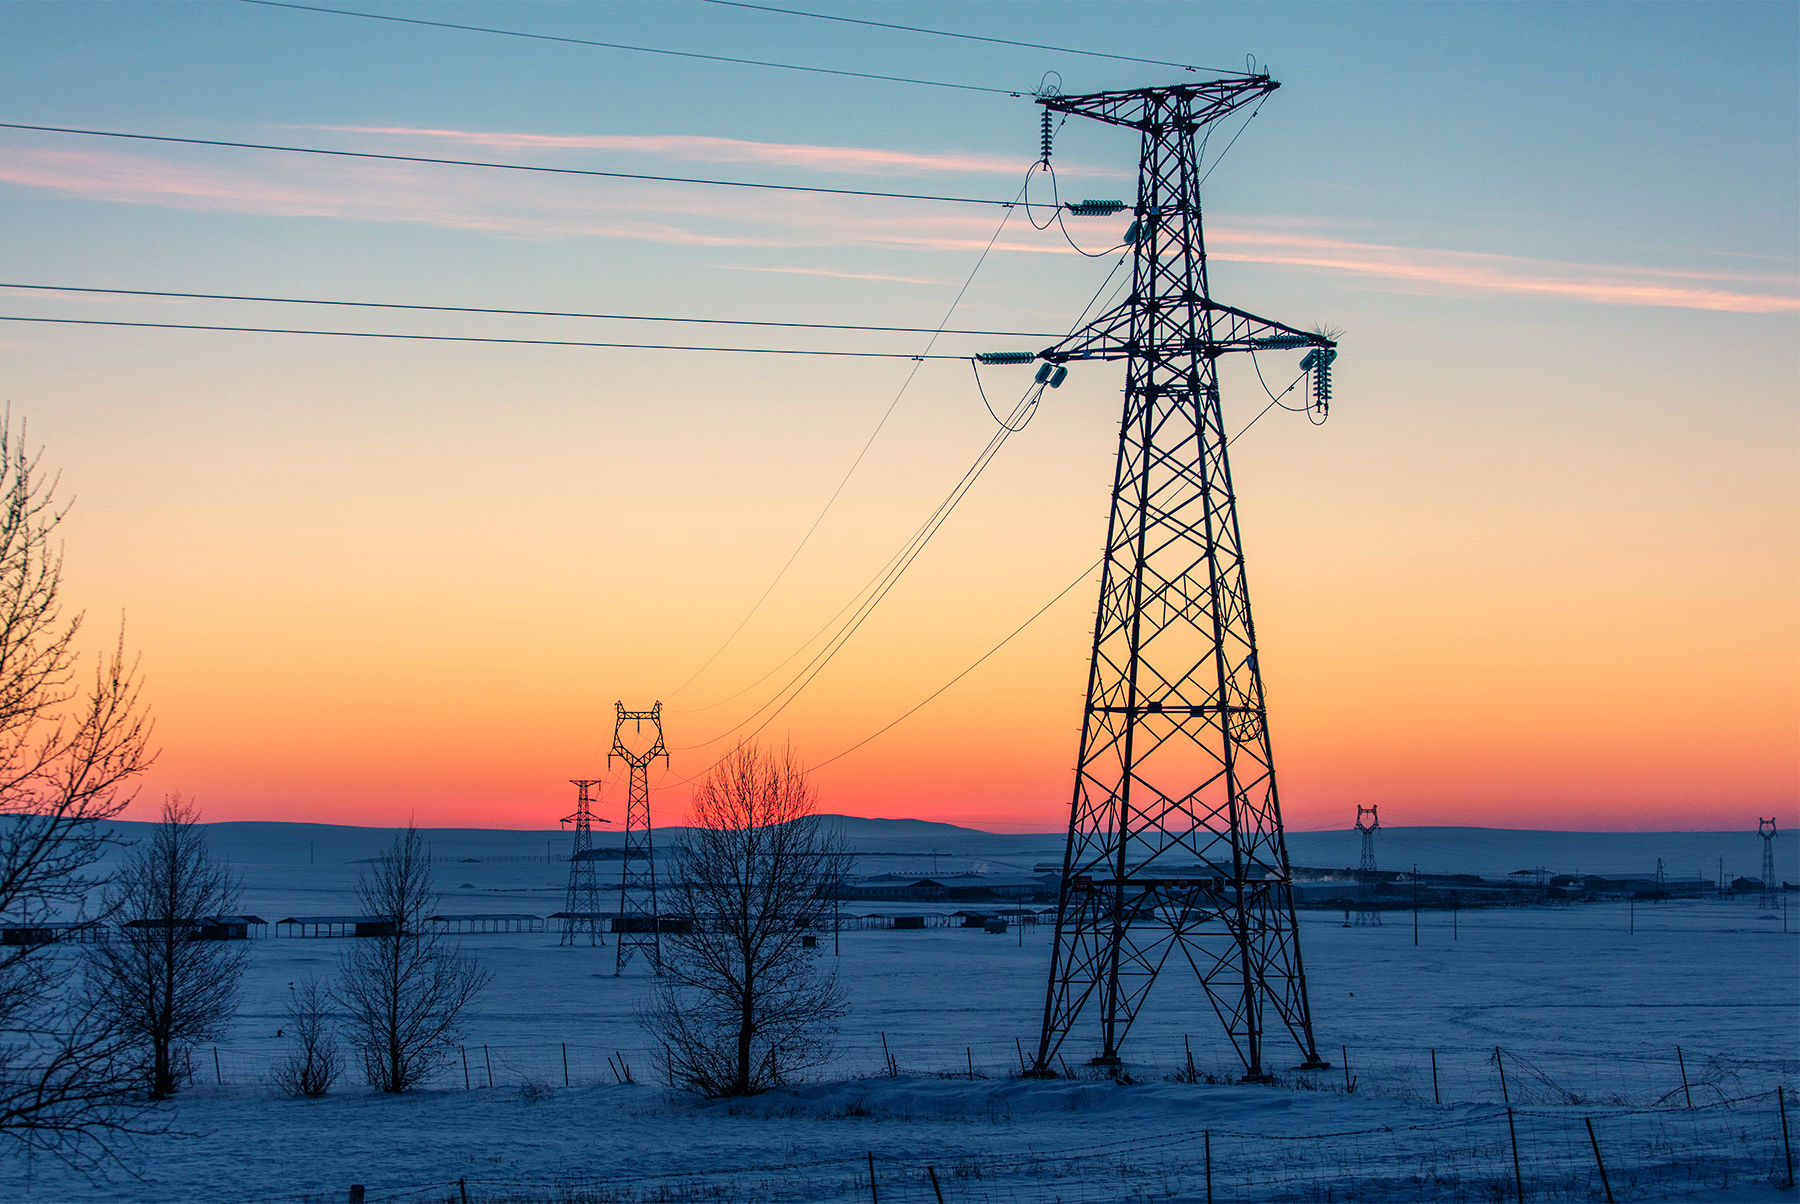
(1221, 329)
(1188, 105)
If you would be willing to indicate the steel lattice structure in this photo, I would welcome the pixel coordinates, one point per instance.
(1175, 844)
(581, 909)
(637, 927)
(1368, 831)
(1765, 828)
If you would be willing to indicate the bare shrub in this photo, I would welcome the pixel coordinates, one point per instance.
(315, 1062)
(164, 983)
(404, 991)
(742, 1004)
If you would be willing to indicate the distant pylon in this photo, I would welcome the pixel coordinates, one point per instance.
(581, 910)
(1367, 915)
(1765, 828)
(1176, 855)
(1368, 831)
(637, 928)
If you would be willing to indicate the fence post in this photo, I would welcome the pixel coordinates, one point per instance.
(1349, 1085)
(970, 1050)
(1209, 1199)
(1786, 1146)
(1501, 1063)
(935, 1189)
(565, 1046)
(893, 1068)
(218, 1075)
(1599, 1161)
(1435, 1098)
(1685, 1090)
(1186, 1046)
(462, 1189)
(1518, 1175)
(874, 1196)
(465, 1054)
(489, 1059)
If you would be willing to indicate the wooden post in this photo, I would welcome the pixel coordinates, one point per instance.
(1501, 1063)
(1682, 1062)
(970, 1050)
(1192, 1077)
(1518, 1175)
(935, 1189)
(465, 1054)
(1209, 1199)
(565, 1046)
(218, 1075)
(356, 1193)
(1435, 1098)
(893, 1069)
(462, 1189)
(488, 1058)
(1598, 1161)
(874, 1196)
(1787, 1146)
(1345, 1050)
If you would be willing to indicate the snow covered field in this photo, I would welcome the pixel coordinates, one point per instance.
(1587, 1005)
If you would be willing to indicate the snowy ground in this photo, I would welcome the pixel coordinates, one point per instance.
(1587, 1004)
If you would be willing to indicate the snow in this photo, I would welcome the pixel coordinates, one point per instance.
(1587, 1004)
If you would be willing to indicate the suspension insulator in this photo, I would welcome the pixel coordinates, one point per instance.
(1321, 383)
(1093, 208)
(1005, 357)
(1132, 235)
(1044, 371)
(1275, 342)
(1044, 136)
(1058, 377)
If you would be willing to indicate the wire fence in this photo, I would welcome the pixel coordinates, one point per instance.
(1481, 1154)
(1446, 1075)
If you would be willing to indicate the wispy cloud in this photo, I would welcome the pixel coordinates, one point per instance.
(1481, 272)
(800, 271)
(694, 148)
(552, 209)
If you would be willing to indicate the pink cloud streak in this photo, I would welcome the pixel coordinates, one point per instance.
(689, 217)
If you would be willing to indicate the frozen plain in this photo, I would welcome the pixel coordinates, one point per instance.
(1587, 1004)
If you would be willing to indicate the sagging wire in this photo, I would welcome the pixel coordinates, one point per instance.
(857, 462)
(1036, 387)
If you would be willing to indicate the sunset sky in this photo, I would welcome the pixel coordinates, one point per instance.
(1540, 569)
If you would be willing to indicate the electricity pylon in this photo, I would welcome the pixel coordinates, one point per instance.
(1368, 831)
(581, 910)
(637, 876)
(1175, 844)
(1765, 828)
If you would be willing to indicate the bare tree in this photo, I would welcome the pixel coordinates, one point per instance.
(68, 755)
(404, 990)
(742, 1004)
(164, 980)
(315, 1062)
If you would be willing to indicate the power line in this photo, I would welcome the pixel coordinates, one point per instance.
(968, 37)
(681, 54)
(521, 313)
(970, 668)
(492, 166)
(854, 464)
(469, 338)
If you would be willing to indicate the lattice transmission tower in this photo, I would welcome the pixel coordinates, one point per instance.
(637, 927)
(581, 910)
(1367, 914)
(1765, 828)
(1175, 846)
(1368, 831)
